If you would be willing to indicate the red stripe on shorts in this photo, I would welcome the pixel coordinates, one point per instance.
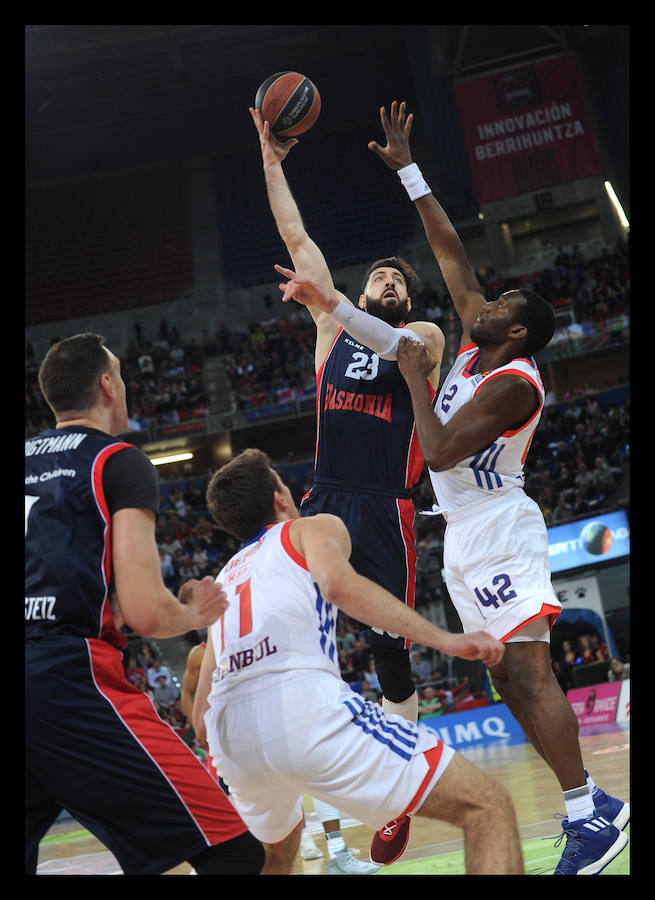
(198, 791)
(432, 757)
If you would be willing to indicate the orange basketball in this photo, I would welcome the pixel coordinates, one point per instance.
(289, 102)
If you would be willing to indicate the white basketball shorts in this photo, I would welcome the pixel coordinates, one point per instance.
(279, 736)
(497, 566)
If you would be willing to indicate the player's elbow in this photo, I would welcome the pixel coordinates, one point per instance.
(435, 463)
(440, 458)
(336, 588)
(141, 617)
(292, 231)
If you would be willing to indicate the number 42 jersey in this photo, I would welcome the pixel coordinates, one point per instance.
(499, 467)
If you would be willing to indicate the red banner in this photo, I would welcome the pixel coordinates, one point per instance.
(527, 128)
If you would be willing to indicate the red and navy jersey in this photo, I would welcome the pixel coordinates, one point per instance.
(75, 479)
(365, 435)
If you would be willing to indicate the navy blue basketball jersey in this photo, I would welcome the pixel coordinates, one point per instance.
(365, 432)
(68, 567)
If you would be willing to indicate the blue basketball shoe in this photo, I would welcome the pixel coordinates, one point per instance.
(611, 808)
(591, 844)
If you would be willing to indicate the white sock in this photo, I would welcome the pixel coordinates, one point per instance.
(579, 804)
(335, 843)
(327, 813)
(408, 709)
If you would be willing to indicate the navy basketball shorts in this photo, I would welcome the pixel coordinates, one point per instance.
(381, 529)
(96, 747)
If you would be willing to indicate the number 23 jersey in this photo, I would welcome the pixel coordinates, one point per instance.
(365, 432)
(498, 467)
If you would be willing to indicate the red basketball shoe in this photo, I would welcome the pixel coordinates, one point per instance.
(389, 843)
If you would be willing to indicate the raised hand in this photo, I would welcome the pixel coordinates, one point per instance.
(305, 291)
(397, 128)
(272, 149)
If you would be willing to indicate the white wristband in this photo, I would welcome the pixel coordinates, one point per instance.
(374, 333)
(413, 181)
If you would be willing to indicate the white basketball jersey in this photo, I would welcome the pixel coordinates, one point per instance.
(499, 467)
(277, 620)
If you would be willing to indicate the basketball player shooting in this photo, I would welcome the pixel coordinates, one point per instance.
(367, 457)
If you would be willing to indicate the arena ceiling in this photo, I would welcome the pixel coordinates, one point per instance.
(89, 87)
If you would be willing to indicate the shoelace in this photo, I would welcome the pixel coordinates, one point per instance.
(574, 840)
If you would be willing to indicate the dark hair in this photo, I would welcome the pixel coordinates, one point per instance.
(240, 495)
(538, 316)
(394, 262)
(69, 373)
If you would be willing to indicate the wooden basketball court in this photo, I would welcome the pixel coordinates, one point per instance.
(69, 850)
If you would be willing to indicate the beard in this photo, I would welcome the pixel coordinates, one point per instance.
(484, 335)
(393, 314)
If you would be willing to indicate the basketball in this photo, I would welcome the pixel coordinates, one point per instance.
(289, 102)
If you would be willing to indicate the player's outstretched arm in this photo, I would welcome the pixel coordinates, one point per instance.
(371, 331)
(307, 257)
(458, 273)
(324, 542)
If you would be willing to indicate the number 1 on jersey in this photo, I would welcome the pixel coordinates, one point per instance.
(245, 608)
(245, 612)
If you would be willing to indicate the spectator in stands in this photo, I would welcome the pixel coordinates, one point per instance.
(360, 653)
(171, 544)
(200, 559)
(562, 512)
(188, 569)
(584, 479)
(594, 444)
(185, 531)
(563, 665)
(156, 670)
(135, 673)
(603, 476)
(165, 693)
(166, 565)
(569, 654)
(420, 667)
(585, 650)
(579, 506)
(145, 655)
(176, 501)
(371, 682)
(599, 648)
(194, 497)
(429, 703)
(564, 479)
(618, 671)
(203, 531)
(346, 666)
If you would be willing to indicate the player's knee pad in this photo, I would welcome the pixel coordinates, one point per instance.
(393, 668)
